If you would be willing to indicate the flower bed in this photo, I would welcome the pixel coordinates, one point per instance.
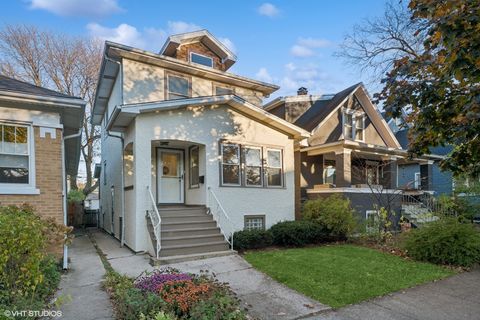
(169, 294)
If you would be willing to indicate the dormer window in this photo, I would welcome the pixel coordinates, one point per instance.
(201, 59)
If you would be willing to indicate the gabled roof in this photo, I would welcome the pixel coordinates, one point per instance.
(123, 115)
(14, 85)
(322, 108)
(402, 137)
(206, 38)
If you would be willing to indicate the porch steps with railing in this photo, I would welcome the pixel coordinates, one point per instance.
(187, 233)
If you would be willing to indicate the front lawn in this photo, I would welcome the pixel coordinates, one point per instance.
(338, 275)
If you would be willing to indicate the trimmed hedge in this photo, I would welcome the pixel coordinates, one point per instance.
(298, 233)
(285, 234)
(445, 241)
(252, 239)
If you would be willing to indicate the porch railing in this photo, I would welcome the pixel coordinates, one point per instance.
(219, 214)
(156, 221)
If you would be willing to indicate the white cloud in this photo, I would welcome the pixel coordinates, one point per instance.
(268, 9)
(264, 75)
(229, 44)
(86, 8)
(301, 51)
(304, 47)
(314, 43)
(124, 33)
(176, 27)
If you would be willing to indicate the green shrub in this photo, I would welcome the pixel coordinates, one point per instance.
(217, 307)
(158, 316)
(252, 239)
(29, 276)
(298, 233)
(334, 213)
(445, 241)
(75, 196)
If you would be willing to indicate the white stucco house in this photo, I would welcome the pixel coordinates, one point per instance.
(188, 154)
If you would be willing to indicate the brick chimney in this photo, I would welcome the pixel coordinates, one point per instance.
(302, 91)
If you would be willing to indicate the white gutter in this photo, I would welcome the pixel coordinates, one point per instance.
(64, 194)
(44, 100)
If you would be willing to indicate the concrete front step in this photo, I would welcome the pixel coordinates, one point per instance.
(191, 232)
(189, 257)
(178, 211)
(193, 248)
(167, 226)
(191, 240)
(186, 218)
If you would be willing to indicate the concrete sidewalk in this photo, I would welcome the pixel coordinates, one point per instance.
(455, 298)
(80, 288)
(263, 297)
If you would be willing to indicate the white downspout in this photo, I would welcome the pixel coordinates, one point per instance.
(64, 183)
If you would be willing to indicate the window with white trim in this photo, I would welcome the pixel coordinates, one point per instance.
(178, 87)
(256, 167)
(253, 166)
(353, 120)
(230, 164)
(201, 59)
(15, 154)
(256, 222)
(273, 168)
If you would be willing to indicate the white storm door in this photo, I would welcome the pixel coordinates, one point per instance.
(170, 173)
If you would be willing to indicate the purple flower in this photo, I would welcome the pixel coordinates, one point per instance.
(152, 281)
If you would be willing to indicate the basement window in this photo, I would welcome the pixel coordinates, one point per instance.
(254, 222)
(201, 59)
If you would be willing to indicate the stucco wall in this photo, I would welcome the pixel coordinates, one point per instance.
(206, 126)
(146, 83)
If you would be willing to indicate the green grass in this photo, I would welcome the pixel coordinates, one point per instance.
(338, 275)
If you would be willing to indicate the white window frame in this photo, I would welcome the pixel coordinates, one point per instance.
(200, 55)
(23, 188)
(222, 183)
(267, 166)
(355, 117)
(244, 167)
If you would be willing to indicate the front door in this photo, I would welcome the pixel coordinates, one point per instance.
(170, 173)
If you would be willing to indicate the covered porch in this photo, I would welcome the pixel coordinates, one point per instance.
(350, 166)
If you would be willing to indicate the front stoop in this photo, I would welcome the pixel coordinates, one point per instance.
(161, 261)
(188, 233)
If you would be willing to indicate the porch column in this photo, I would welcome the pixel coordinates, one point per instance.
(343, 168)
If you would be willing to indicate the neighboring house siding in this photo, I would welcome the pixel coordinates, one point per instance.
(406, 175)
(48, 173)
(441, 180)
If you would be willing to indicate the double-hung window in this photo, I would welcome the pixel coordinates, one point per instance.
(231, 164)
(178, 87)
(273, 168)
(353, 125)
(251, 166)
(14, 155)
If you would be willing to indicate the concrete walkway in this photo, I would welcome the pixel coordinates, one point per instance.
(80, 288)
(263, 297)
(455, 298)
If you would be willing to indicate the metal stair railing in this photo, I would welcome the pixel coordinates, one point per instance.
(219, 214)
(156, 221)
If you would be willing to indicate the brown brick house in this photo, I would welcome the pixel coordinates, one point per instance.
(39, 145)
